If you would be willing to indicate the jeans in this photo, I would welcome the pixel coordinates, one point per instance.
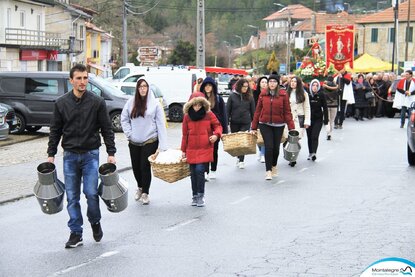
(404, 113)
(197, 176)
(83, 167)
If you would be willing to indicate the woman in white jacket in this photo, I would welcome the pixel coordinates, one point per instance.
(142, 121)
(300, 106)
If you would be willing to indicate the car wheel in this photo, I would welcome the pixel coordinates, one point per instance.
(21, 124)
(116, 121)
(176, 113)
(33, 128)
(411, 156)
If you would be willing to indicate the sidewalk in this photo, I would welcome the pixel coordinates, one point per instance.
(18, 179)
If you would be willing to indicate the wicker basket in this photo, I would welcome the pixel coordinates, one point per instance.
(260, 139)
(169, 172)
(239, 144)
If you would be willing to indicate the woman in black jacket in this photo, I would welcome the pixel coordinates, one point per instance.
(360, 87)
(319, 115)
(217, 105)
(240, 110)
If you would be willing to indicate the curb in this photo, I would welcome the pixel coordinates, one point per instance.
(15, 199)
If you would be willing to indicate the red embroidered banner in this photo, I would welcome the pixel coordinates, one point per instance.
(339, 46)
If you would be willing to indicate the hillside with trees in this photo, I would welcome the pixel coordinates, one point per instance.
(174, 21)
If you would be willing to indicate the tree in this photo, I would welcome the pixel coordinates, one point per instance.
(273, 63)
(183, 54)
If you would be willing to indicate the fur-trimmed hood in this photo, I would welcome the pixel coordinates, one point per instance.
(201, 100)
(318, 84)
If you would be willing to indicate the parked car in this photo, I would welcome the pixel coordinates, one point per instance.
(4, 127)
(411, 135)
(10, 117)
(129, 89)
(32, 96)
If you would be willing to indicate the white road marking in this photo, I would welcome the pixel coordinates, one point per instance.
(100, 257)
(176, 226)
(240, 200)
(280, 182)
(303, 169)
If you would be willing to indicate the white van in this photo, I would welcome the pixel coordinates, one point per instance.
(176, 85)
(130, 68)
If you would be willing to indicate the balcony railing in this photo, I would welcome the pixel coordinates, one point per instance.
(33, 38)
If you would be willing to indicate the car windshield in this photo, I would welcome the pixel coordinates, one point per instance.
(109, 86)
(224, 78)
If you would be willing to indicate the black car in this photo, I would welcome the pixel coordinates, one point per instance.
(10, 117)
(33, 94)
(411, 135)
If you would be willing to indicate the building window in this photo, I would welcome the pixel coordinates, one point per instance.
(391, 34)
(22, 19)
(75, 29)
(374, 35)
(409, 34)
(81, 32)
(9, 18)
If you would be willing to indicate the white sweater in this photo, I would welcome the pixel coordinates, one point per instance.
(152, 125)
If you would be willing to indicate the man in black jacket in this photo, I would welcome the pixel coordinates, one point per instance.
(77, 118)
(341, 81)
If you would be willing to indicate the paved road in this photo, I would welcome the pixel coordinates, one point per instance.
(334, 217)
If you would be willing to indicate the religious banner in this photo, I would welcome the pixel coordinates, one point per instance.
(339, 46)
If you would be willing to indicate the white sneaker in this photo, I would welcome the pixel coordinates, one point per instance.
(237, 162)
(268, 175)
(241, 165)
(145, 199)
(262, 159)
(138, 194)
(274, 171)
(212, 175)
(207, 179)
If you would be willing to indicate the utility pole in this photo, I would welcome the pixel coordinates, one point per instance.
(288, 43)
(407, 30)
(240, 51)
(200, 55)
(395, 42)
(124, 34)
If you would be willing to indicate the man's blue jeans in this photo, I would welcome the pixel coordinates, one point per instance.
(77, 167)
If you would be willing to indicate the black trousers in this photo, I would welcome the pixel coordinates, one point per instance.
(240, 127)
(340, 113)
(141, 166)
(313, 132)
(214, 164)
(272, 140)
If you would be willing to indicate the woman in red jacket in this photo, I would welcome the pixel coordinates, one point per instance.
(272, 113)
(200, 129)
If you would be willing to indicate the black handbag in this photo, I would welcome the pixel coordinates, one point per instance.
(369, 95)
(301, 119)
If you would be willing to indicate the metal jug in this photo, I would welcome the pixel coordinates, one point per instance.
(48, 190)
(292, 147)
(113, 189)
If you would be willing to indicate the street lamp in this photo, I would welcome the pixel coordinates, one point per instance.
(257, 46)
(228, 45)
(240, 51)
(287, 70)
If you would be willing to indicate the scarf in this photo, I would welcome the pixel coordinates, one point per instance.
(196, 116)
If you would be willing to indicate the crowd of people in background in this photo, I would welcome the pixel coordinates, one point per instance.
(269, 104)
